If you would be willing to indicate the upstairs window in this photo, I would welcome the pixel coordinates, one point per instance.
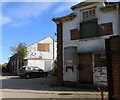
(43, 47)
(88, 14)
(75, 35)
(105, 29)
(89, 29)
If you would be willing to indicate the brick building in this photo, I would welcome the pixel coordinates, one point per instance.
(81, 42)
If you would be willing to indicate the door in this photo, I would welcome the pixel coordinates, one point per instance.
(86, 69)
(70, 64)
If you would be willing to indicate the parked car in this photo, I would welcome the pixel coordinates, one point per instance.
(31, 72)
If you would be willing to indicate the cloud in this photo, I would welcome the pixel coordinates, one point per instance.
(4, 20)
(64, 7)
(24, 13)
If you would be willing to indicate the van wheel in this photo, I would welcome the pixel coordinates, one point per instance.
(27, 76)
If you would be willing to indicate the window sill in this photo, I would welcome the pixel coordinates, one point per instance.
(89, 19)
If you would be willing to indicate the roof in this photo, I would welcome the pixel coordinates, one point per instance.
(64, 18)
(81, 5)
(110, 6)
(40, 40)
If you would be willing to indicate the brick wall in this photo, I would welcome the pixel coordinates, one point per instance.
(59, 70)
(113, 67)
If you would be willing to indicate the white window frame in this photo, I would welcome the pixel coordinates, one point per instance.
(89, 14)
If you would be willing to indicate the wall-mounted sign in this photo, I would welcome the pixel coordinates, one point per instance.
(69, 62)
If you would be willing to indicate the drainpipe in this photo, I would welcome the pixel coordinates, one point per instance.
(93, 64)
(53, 49)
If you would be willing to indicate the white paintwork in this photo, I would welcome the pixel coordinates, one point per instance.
(89, 44)
(33, 54)
(38, 63)
(46, 65)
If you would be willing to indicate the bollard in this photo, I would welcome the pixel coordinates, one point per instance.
(101, 91)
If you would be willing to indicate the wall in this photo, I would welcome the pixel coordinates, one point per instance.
(46, 65)
(38, 63)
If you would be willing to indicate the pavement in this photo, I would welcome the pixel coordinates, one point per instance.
(51, 94)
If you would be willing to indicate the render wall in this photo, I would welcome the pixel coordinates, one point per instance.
(34, 53)
(42, 59)
(46, 65)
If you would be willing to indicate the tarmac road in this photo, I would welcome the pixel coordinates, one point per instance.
(14, 87)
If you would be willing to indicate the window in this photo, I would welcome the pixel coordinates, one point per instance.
(105, 29)
(74, 33)
(100, 60)
(89, 14)
(89, 29)
(43, 47)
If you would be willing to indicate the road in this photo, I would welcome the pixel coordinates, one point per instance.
(14, 87)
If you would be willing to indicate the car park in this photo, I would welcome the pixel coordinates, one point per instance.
(31, 72)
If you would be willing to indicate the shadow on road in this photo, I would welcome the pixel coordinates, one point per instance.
(7, 74)
(45, 84)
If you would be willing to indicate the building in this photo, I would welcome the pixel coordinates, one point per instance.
(81, 42)
(41, 54)
(15, 63)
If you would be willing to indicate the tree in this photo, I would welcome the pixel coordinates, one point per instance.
(20, 50)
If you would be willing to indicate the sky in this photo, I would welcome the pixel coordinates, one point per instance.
(28, 22)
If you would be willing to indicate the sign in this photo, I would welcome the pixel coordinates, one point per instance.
(69, 62)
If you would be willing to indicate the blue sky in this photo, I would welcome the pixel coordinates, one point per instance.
(29, 22)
